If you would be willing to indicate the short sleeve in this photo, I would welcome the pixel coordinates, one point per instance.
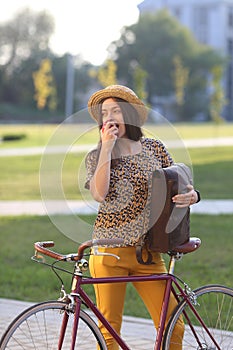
(165, 156)
(90, 162)
(160, 151)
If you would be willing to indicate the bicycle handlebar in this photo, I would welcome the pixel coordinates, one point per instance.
(42, 247)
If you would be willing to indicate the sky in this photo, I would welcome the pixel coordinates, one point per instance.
(84, 27)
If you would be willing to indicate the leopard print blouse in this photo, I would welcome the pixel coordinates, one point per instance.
(125, 211)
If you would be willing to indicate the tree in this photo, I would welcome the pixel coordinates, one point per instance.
(24, 42)
(180, 80)
(217, 98)
(20, 38)
(139, 81)
(106, 74)
(154, 42)
(45, 89)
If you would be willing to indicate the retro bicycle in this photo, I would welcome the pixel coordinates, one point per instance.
(70, 321)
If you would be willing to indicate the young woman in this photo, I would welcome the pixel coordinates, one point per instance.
(119, 173)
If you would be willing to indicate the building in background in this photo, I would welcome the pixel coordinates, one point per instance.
(211, 22)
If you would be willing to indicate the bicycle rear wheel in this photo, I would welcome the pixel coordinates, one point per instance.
(215, 308)
(39, 328)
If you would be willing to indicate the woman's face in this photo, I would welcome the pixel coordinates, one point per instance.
(111, 113)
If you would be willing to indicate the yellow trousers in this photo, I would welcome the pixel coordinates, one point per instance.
(110, 296)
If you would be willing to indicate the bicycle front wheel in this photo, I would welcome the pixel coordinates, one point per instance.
(39, 327)
(211, 328)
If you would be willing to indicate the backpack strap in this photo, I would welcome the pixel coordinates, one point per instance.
(139, 256)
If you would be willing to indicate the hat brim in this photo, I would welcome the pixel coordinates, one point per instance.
(97, 98)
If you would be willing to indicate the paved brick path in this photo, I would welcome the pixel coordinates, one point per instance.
(131, 327)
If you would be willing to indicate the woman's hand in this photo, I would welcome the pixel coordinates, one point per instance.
(109, 134)
(99, 184)
(186, 199)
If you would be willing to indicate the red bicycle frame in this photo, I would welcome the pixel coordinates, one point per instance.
(80, 295)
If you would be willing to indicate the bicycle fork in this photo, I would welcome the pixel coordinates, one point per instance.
(73, 306)
(63, 330)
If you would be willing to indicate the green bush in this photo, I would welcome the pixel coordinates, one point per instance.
(13, 137)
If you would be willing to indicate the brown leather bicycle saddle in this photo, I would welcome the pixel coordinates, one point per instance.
(188, 247)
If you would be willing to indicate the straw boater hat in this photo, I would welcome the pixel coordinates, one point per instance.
(119, 91)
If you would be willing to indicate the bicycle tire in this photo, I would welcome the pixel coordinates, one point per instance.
(215, 306)
(38, 327)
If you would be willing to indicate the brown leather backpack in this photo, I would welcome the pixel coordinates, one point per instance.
(169, 225)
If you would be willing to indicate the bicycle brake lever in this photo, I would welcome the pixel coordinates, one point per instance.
(38, 258)
(97, 252)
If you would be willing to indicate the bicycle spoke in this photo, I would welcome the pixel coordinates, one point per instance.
(40, 328)
(215, 310)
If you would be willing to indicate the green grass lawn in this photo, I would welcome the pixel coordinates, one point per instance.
(35, 135)
(20, 175)
(213, 169)
(26, 280)
(41, 134)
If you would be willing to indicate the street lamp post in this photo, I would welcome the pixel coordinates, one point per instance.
(69, 86)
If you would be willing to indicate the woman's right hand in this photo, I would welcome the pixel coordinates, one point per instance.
(109, 134)
(99, 184)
